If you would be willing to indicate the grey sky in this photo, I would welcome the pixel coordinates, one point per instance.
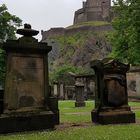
(44, 14)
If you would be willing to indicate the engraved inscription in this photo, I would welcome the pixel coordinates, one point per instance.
(26, 82)
(116, 92)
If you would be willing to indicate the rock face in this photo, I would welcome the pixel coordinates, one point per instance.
(94, 10)
(94, 47)
(77, 47)
(79, 44)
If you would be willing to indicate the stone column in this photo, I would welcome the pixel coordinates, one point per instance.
(55, 89)
(79, 94)
(61, 91)
(66, 93)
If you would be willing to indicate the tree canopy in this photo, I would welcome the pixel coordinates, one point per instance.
(126, 36)
(8, 25)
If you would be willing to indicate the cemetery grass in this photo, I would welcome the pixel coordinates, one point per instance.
(70, 114)
(73, 118)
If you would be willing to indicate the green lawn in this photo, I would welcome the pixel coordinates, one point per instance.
(69, 106)
(134, 104)
(69, 113)
(105, 132)
(72, 115)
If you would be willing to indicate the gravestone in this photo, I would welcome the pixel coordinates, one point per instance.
(79, 95)
(111, 99)
(26, 96)
(69, 92)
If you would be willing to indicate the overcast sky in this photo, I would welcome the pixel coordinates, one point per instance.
(44, 14)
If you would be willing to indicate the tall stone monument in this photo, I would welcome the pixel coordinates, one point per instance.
(79, 95)
(111, 98)
(27, 101)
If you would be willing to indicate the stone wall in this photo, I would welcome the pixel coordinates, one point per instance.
(52, 32)
(133, 82)
(88, 29)
(93, 10)
(64, 31)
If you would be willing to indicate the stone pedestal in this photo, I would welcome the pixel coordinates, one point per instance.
(26, 98)
(79, 95)
(111, 99)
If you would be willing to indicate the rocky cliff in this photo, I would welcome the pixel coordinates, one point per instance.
(77, 45)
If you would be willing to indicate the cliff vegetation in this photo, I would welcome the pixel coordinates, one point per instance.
(76, 50)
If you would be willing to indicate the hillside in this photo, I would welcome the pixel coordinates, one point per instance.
(77, 45)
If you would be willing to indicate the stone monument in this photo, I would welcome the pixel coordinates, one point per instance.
(27, 101)
(79, 95)
(111, 99)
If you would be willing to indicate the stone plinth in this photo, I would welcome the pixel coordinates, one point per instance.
(111, 98)
(79, 95)
(27, 103)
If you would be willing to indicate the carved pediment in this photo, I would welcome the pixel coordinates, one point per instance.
(114, 66)
(110, 66)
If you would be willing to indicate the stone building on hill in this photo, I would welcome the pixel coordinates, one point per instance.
(94, 10)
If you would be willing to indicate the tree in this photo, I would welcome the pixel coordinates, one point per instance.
(126, 36)
(63, 72)
(8, 25)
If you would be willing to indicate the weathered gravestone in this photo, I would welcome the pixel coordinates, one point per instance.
(111, 99)
(79, 95)
(27, 101)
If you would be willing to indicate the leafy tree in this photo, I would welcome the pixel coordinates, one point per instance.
(126, 36)
(62, 73)
(8, 25)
